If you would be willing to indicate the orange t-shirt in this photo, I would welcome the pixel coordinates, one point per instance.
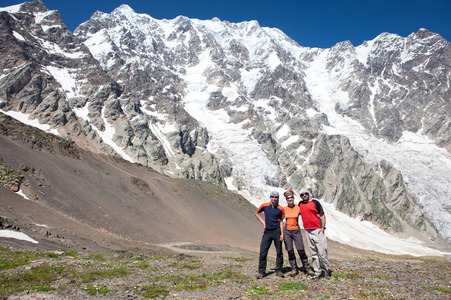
(292, 215)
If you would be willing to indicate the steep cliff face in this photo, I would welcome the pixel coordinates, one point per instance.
(47, 73)
(245, 107)
(373, 192)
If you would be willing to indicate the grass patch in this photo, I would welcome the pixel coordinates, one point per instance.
(94, 274)
(439, 288)
(158, 257)
(238, 259)
(52, 268)
(143, 265)
(71, 253)
(95, 289)
(186, 265)
(352, 276)
(200, 282)
(187, 282)
(96, 256)
(37, 278)
(382, 277)
(11, 259)
(292, 286)
(189, 267)
(152, 291)
(256, 291)
(229, 275)
(93, 267)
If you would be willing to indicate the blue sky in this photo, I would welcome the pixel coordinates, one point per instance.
(312, 23)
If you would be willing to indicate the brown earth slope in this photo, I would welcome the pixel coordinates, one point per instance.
(87, 201)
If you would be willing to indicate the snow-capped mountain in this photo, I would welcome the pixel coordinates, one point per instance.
(366, 127)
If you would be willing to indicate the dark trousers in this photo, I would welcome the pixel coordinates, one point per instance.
(268, 237)
(295, 236)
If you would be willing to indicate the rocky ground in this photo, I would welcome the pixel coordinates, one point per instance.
(215, 272)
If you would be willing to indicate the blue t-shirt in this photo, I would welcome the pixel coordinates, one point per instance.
(273, 215)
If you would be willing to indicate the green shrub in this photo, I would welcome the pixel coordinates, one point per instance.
(95, 289)
(292, 286)
(153, 291)
(258, 290)
(140, 183)
(94, 274)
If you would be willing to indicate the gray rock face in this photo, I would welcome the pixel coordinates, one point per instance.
(236, 104)
(401, 86)
(36, 46)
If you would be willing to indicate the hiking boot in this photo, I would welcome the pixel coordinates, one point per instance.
(318, 275)
(280, 274)
(309, 272)
(328, 274)
(294, 273)
(260, 276)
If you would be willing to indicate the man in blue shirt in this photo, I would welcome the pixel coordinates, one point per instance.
(273, 224)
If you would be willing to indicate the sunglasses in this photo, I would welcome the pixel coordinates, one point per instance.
(291, 197)
(274, 197)
(305, 194)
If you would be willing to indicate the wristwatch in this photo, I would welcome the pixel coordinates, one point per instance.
(323, 227)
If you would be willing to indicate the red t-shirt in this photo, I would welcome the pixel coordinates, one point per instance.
(310, 212)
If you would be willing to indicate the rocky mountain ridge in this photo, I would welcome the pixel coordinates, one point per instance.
(245, 107)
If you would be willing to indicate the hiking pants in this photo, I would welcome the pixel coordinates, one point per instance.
(318, 248)
(295, 236)
(270, 235)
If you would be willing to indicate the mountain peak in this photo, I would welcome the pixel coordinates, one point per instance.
(343, 46)
(34, 6)
(124, 8)
(30, 7)
(424, 34)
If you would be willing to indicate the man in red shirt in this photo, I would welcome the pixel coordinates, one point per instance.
(314, 221)
(292, 233)
(273, 225)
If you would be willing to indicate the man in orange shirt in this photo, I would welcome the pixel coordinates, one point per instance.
(292, 233)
